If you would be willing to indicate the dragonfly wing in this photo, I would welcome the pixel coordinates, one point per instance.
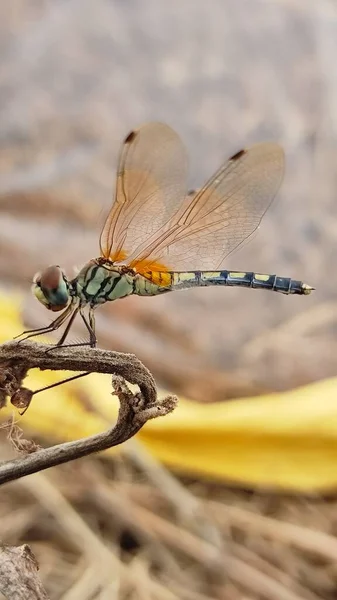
(221, 216)
(151, 184)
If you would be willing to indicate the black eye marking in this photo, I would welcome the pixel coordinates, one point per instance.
(238, 155)
(129, 138)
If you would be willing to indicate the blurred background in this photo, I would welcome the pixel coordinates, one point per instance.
(76, 76)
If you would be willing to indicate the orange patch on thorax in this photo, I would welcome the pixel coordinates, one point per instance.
(153, 271)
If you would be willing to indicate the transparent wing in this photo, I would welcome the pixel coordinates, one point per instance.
(151, 184)
(220, 217)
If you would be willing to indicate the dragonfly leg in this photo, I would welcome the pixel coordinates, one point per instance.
(90, 325)
(48, 387)
(65, 333)
(91, 328)
(67, 329)
(48, 328)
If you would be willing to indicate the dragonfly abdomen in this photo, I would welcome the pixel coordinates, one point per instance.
(284, 285)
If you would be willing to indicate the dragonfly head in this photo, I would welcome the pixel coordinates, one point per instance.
(51, 288)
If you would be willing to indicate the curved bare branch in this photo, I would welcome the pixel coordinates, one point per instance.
(134, 410)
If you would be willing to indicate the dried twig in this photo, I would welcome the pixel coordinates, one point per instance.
(84, 538)
(212, 559)
(18, 574)
(307, 540)
(135, 408)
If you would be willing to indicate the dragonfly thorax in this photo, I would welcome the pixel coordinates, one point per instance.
(100, 281)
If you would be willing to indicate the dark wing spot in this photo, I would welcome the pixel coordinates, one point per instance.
(191, 192)
(238, 155)
(129, 138)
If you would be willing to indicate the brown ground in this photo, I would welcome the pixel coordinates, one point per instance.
(75, 77)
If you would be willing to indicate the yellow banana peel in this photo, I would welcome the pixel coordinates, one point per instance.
(283, 441)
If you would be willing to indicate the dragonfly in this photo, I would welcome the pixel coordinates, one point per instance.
(159, 238)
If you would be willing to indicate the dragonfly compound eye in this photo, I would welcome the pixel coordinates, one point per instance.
(51, 288)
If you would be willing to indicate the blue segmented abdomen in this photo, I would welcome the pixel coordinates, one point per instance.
(284, 285)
